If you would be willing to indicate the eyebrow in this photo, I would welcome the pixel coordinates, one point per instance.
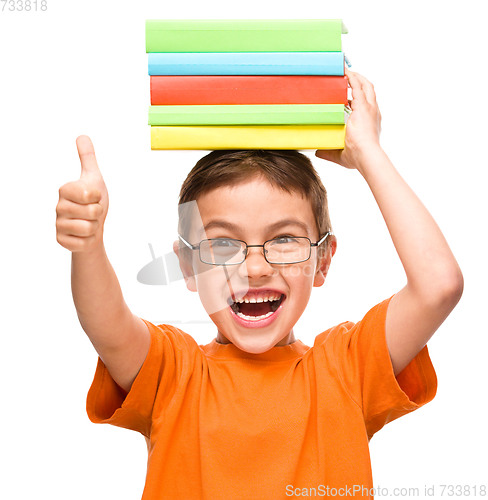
(222, 224)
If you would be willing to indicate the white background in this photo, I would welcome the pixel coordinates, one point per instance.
(81, 68)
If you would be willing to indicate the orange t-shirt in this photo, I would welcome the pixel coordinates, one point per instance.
(224, 424)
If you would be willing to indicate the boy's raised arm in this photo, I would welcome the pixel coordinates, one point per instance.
(120, 338)
(434, 279)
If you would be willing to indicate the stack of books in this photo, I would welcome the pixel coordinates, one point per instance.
(247, 84)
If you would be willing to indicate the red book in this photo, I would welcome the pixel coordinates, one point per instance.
(249, 89)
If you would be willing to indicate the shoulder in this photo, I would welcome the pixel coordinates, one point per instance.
(372, 323)
(331, 333)
(176, 344)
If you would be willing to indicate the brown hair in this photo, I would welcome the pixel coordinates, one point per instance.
(288, 170)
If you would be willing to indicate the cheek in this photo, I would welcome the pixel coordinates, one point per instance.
(300, 275)
(211, 285)
(299, 279)
(214, 286)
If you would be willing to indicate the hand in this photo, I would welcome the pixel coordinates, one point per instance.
(83, 204)
(363, 126)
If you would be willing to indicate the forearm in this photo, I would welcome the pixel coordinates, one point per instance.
(430, 267)
(98, 299)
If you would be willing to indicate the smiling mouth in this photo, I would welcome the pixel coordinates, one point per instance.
(255, 309)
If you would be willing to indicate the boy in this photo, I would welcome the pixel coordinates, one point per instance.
(256, 414)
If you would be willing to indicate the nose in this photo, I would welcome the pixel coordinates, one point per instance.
(255, 265)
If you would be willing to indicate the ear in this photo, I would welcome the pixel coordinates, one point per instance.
(324, 262)
(186, 268)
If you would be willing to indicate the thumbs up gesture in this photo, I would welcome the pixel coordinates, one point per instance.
(83, 204)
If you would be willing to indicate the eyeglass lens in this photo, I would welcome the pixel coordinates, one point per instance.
(222, 251)
(284, 250)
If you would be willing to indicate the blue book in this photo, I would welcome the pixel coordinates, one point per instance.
(246, 63)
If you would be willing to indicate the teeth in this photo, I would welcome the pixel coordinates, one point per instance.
(253, 300)
(254, 318)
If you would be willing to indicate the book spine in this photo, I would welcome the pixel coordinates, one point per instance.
(248, 137)
(290, 35)
(225, 89)
(265, 63)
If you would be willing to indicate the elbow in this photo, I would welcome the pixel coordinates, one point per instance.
(456, 286)
(450, 288)
(442, 291)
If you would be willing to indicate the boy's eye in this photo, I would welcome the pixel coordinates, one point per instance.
(283, 240)
(223, 243)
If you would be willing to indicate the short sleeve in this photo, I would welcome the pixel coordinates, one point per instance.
(363, 362)
(157, 380)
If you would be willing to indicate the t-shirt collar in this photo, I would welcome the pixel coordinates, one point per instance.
(276, 353)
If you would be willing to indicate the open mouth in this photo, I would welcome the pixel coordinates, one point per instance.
(255, 308)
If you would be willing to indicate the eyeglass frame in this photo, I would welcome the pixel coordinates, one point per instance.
(197, 247)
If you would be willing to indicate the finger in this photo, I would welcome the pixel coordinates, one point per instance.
(79, 192)
(358, 94)
(332, 155)
(89, 165)
(75, 243)
(77, 227)
(70, 210)
(348, 72)
(367, 87)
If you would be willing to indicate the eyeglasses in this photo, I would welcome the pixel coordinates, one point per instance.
(228, 251)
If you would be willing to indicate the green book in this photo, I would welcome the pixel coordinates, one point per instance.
(248, 114)
(244, 35)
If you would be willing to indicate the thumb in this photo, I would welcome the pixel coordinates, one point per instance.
(89, 165)
(329, 154)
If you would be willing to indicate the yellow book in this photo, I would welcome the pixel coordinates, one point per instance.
(248, 137)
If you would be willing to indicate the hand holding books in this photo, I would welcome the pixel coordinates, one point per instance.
(364, 126)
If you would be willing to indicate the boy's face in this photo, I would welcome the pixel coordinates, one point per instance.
(255, 212)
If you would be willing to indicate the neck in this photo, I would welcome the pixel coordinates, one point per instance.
(288, 339)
